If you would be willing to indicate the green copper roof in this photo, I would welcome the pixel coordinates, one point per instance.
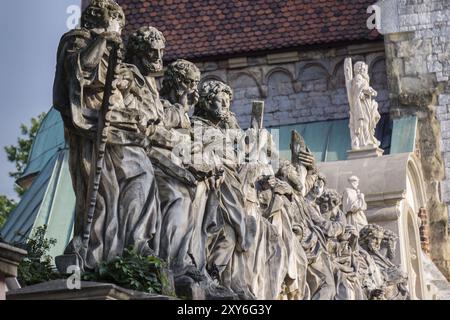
(50, 201)
(49, 139)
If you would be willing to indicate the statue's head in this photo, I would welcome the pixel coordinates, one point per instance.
(390, 243)
(145, 49)
(371, 237)
(289, 174)
(103, 16)
(350, 235)
(354, 182)
(329, 200)
(215, 100)
(318, 187)
(361, 68)
(180, 76)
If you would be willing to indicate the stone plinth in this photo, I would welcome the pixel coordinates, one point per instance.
(58, 290)
(10, 258)
(364, 153)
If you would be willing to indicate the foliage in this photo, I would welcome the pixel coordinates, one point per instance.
(6, 206)
(133, 271)
(36, 267)
(19, 153)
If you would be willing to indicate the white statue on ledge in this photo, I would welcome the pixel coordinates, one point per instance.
(364, 114)
(354, 204)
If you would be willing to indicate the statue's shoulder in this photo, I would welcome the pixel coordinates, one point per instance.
(75, 38)
(76, 34)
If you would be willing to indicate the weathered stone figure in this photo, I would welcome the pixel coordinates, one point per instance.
(176, 185)
(354, 204)
(364, 114)
(88, 88)
(225, 207)
(307, 218)
(372, 240)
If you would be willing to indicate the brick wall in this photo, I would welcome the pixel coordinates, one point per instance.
(298, 87)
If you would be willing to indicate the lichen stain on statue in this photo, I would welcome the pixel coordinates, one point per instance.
(200, 192)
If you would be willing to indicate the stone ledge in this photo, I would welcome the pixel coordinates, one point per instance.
(58, 290)
(10, 258)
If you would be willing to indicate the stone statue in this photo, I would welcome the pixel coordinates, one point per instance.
(393, 283)
(364, 114)
(307, 218)
(199, 192)
(106, 124)
(180, 85)
(176, 185)
(354, 204)
(226, 203)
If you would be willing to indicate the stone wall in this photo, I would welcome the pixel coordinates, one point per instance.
(417, 53)
(298, 86)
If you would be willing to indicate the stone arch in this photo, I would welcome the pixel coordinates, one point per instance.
(246, 89)
(414, 267)
(246, 80)
(314, 76)
(338, 76)
(280, 81)
(210, 77)
(312, 71)
(378, 73)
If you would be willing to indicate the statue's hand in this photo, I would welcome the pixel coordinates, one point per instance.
(283, 188)
(194, 97)
(307, 159)
(112, 37)
(189, 99)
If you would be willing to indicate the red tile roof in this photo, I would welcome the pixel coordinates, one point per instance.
(200, 29)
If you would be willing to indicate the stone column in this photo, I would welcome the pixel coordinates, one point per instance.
(417, 41)
(10, 258)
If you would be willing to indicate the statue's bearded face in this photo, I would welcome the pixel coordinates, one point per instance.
(189, 82)
(103, 16)
(362, 69)
(219, 107)
(152, 58)
(318, 188)
(374, 243)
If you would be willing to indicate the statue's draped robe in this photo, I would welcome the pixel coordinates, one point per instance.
(176, 196)
(279, 211)
(348, 286)
(127, 209)
(224, 211)
(267, 258)
(364, 114)
(354, 207)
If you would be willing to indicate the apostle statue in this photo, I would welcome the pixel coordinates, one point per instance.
(354, 204)
(364, 114)
(106, 127)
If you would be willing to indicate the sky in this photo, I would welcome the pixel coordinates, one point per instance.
(29, 34)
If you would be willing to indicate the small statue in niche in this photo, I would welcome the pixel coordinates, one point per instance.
(364, 114)
(354, 204)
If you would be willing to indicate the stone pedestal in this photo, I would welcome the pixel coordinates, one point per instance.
(10, 258)
(374, 152)
(59, 290)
